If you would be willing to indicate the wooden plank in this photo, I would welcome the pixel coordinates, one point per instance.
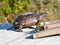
(45, 33)
(50, 26)
(53, 22)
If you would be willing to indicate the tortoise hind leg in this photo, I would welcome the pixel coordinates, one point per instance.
(20, 28)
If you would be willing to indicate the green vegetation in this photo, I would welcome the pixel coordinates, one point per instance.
(12, 8)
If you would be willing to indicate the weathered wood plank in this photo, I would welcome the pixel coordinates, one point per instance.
(46, 33)
(51, 26)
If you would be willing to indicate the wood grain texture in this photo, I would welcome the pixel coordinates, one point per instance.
(45, 33)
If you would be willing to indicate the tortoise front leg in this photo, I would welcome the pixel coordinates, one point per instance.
(20, 28)
(37, 27)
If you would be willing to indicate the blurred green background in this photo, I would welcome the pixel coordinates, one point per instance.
(10, 9)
